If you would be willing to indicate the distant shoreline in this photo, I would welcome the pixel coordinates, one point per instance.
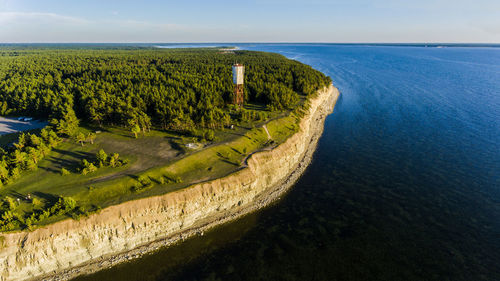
(160, 45)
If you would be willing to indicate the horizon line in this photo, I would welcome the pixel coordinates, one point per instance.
(247, 42)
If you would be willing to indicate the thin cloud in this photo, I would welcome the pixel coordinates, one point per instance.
(49, 27)
(25, 27)
(15, 17)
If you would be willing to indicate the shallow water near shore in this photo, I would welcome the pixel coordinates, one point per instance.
(404, 185)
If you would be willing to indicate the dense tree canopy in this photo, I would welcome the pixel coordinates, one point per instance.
(171, 89)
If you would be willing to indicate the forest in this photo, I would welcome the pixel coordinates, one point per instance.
(176, 89)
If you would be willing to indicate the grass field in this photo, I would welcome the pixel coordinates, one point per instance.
(156, 163)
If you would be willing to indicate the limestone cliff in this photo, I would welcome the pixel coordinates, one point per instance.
(71, 247)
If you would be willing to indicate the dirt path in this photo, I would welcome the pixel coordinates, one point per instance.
(267, 132)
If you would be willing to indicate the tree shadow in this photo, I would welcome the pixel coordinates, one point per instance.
(56, 163)
(221, 155)
(52, 170)
(236, 150)
(135, 177)
(75, 154)
(129, 136)
(71, 164)
(17, 195)
(62, 162)
(229, 162)
(154, 180)
(176, 146)
(50, 198)
(93, 127)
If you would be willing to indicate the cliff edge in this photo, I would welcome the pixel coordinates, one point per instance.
(68, 248)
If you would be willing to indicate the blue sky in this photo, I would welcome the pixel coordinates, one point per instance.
(250, 21)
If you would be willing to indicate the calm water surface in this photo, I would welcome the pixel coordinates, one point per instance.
(404, 185)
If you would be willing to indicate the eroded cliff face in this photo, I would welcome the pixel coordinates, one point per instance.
(118, 229)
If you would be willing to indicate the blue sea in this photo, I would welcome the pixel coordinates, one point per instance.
(404, 184)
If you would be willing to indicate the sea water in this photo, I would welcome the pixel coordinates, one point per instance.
(404, 185)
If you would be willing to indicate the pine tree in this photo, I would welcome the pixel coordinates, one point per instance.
(4, 172)
(102, 157)
(21, 142)
(91, 137)
(80, 138)
(136, 130)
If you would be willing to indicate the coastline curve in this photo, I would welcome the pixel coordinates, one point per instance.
(69, 248)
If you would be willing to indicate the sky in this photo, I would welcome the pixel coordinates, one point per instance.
(336, 21)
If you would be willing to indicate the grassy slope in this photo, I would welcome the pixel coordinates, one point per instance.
(155, 156)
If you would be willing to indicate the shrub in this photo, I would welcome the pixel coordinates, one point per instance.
(102, 157)
(88, 167)
(37, 203)
(68, 203)
(162, 180)
(80, 138)
(173, 178)
(103, 160)
(64, 172)
(10, 203)
(145, 180)
(114, 160)
(63, 206)
(210, 135)
(15, 173)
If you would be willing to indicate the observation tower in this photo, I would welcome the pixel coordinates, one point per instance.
(238, 78)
